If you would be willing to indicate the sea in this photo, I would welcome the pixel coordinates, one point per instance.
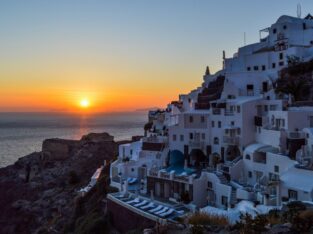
(23, 133)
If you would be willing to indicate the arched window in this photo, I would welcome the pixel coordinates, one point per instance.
(248, 156)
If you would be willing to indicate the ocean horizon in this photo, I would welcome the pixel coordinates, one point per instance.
(22, 133)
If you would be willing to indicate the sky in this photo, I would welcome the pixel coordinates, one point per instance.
(120, 55)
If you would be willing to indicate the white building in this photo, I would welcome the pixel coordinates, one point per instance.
(234, 138)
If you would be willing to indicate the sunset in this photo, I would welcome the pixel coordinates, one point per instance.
(156, 117)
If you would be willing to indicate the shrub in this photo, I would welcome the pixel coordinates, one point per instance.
(293, 210)
(248, 224)
(73, 178)
(303, 222)
(204, 219)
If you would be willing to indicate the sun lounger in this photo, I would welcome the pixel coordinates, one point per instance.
(159, 207)
(150, 205)
(180, 211)
(136, 200)
(169, 212)
(131, 180)
(161, 211)
(144, 202)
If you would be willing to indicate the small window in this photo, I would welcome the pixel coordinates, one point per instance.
(181, 137)
(274, 31)
(281, 63)
(238, 131)
(216, 141)
(249, 174)
(133, 169)
(263, 67)
(285, 27)
(174, 137)
(248, 68)
(219, 124)
(202, 119)
(232, 123)
(190, 119)
(266, 108)
(189, 100)
(256, 68)
(281, 56)
(276, 168)
(273, 65)
(212, 124)
(190, 136)
(238, 109)
(203, 136)
(248, 156)
(131, 152)
(210, 185)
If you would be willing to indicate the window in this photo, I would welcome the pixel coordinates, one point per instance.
(202, 119)
(249, 174)
(266, 108)
(238, 109)
(256, 68)
(190, 136)
(174, 137)
(250, 86)
(238, 131)
(276, 168)
(232, 123)
(212, 124)
(181, 137)
(285, 27)
(133, 169)
(248, 68)
(281, 63)
(224, 201)
(292, 194)
(281, 56)
(210, 185)
(274, 31)
(219, 124)
(189, 100)
(131, 152)
(263, 67)
(203, 136)
(273, 65)
(190, 119)
(216, 141)
(248, 156)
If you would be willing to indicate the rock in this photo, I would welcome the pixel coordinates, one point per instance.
(36, 189)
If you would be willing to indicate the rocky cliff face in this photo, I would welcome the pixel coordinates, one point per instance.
(40, 189)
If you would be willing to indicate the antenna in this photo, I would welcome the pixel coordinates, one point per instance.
(299, 10)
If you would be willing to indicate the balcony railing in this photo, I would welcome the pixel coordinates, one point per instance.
(196, 143)
(231, 140)
(296, 135)
(228, 113)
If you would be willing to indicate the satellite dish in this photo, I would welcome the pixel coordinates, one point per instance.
(299, 10)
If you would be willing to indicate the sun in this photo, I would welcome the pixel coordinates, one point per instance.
(84, 103)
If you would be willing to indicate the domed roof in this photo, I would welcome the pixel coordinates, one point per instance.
(287, 19)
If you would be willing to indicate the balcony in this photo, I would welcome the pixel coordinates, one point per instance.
(231, 140)
(216, 111)
(228, 113)
(296, 135)
(196, 144)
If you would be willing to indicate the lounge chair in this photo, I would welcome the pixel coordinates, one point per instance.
(169, 212)
(144, 202)
(150, 205)
(159, 207)
(161, 211)
(136, 200)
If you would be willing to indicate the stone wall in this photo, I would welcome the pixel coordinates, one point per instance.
(125, 220)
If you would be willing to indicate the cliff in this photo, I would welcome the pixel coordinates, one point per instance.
(39, 191)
